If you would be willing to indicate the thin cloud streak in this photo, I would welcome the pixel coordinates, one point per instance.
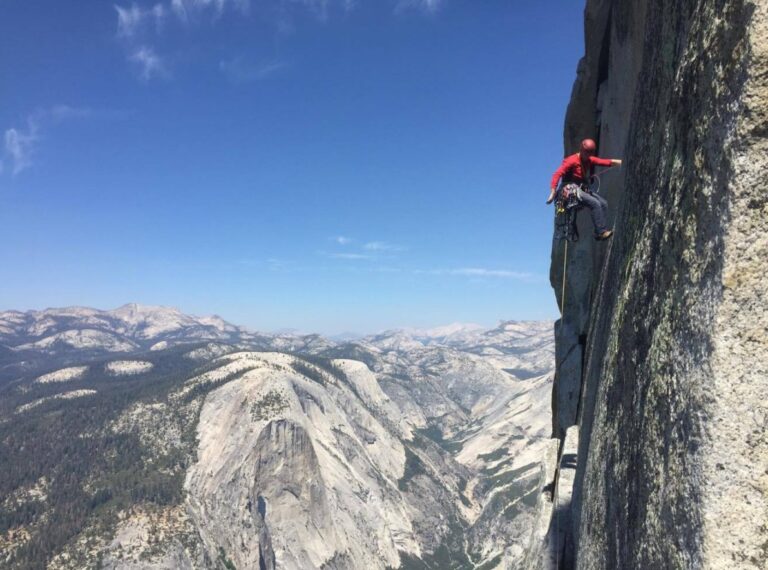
(240, 71)
(131, 20)
(481, 272)
(371, 250)
(382, 246)
(429, 6)
(350, 256)
(19, 147)
(20, 144)
(136, 24)
(150, 64)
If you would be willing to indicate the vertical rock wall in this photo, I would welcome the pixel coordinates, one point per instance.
(600, 108)
(662, 348)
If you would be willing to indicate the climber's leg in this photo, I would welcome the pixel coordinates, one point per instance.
(598, 207)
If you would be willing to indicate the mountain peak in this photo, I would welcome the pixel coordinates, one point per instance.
(139, 309)
(128, 326)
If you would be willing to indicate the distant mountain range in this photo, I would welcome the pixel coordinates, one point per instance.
(126, 328)
(146, 438)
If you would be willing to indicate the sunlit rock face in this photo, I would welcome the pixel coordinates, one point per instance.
(422, 453)
(292, 472)
(665, 328)
(406, 449)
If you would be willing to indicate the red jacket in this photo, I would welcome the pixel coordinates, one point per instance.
(571, 169)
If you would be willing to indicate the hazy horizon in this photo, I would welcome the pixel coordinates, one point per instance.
(332, 334)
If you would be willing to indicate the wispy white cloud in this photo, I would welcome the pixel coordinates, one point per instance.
(382, 246)
(20, 143)
(429, 6)
(238, 70)
(185, 9)
(364, 250)
(140, 27)
(128, 20)
(149, 63)
(379, 250)
(482, 272)
(20, 147)
(132, 19)
(136, 28)
(179, 8)
(349, 256)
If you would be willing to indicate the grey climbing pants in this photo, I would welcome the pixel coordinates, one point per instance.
(598, 207)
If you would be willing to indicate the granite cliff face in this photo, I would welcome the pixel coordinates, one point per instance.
(661, 350)
(197, 445)
(293, 469)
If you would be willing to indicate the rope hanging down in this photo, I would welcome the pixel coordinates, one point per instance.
(562, 294)
(566, 207)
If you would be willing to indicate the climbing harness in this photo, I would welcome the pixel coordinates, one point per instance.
(567, 202)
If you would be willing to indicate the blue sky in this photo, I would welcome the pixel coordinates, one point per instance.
(321, 165)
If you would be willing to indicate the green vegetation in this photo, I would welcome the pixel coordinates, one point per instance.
(321, 370)
(523, 373)
(509, 476)
(520, 496)
(351, 352)
(500, 466)
(434, 433)
(500, 453)
(410, 562)
(270, 405)
(308, 371)
(517, 495)
(413, 467)
(92, 471)
(492, 563)
(339, 560)
(449, 555)
(226, 562)
(205, 387)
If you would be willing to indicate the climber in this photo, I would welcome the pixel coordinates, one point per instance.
(577, 170)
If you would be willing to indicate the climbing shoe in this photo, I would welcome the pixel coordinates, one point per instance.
(604, 236)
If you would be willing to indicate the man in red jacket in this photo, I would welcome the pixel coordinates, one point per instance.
(578, 169)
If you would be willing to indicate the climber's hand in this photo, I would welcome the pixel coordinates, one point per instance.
(551, 197)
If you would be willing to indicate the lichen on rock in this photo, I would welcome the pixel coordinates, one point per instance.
(667, 325)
